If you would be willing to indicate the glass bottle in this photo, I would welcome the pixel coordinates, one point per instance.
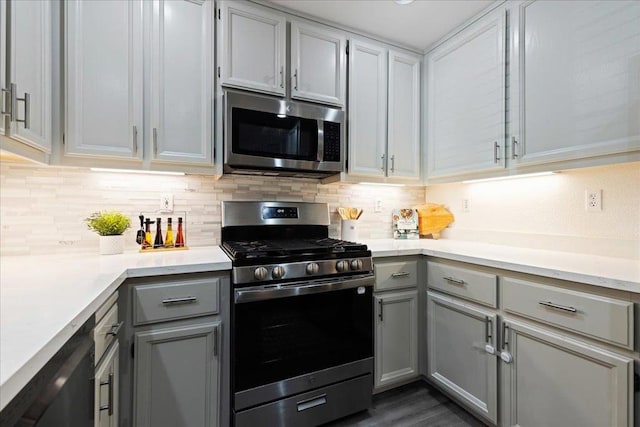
(180, 235)
(147, 242)
(168, 241)
(158, 243)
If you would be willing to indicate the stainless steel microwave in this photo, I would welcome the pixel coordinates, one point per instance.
(274, 136)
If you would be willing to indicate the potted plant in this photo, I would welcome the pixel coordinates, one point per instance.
(109, 225)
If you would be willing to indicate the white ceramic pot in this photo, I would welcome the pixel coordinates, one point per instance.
(349, 231)
(111, 245)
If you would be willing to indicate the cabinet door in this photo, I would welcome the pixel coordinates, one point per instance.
(30, 74)
(4, 85)
(104, 78)
(367, 109)
(575, 79)
(457, 336)
(396, 341)
(253, 47)
(106, 389)
(182, 81)
(176, 376)
(318, 64)
(466, 102)
(555, 380)
(404, 116)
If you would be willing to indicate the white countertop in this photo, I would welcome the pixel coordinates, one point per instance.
(43, 299)
(615, 273)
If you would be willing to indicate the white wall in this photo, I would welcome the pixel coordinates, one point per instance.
(549, 212)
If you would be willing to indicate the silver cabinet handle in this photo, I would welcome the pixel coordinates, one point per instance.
(496, 152)
(295, 76)
(393, 163)
(281, 76)
(303, 405)
(135, 139)
(14, 107)
(182, 300)
(215, 341)
(380, 314)
(383, 165)
(115, 329)
(155, 141)
(109, 405)
(400, 274)
(454, 281)
(558, 306)
(7, 112)
(514, 148)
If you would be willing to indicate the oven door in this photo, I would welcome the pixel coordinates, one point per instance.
(294, 338)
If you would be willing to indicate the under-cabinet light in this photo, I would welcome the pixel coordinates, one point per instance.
(137, 171)
(503, 178)
(403, 2)
(382, 183)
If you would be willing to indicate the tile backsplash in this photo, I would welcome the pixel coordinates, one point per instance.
(43, 208)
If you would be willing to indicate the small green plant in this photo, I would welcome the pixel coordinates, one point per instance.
(108, 223)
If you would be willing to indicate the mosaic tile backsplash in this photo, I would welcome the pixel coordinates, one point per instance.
(43, 208)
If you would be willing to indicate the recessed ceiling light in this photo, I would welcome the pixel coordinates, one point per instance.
(403, 1)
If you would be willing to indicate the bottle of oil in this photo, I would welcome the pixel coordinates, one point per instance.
(158, 243)
(147, 242)
(180, 235)
(168, 241)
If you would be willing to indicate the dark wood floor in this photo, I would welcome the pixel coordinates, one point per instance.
(415, 404)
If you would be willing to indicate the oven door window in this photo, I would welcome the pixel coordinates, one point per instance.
(286, 337)
(257, 133)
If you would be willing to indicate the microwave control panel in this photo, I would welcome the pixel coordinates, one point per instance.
(331, 142)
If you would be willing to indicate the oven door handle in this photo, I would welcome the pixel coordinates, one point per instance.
(259, 293)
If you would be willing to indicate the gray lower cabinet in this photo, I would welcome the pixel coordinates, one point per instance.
(106, 389)
(396, 339)
(176, 376)
(554, 380)
(461, 360)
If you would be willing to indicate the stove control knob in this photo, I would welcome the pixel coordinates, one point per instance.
(260, 273)
(278, 272)
(356, 264)
(312, 268)
(342, 266)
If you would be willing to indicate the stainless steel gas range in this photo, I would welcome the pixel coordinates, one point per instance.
(302, 316)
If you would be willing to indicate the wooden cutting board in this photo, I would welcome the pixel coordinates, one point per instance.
(433, 218)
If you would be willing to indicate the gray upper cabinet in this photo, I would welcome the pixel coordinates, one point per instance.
(177, 376)
(384, 112)
(104, 75)
(554, 380)
(253, 48)
(182, 40)
(318, 64)
(574, 81)
(461, 339)
(26, 81)
(466, 100)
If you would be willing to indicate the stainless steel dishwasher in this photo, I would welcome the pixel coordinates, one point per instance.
(62, 392)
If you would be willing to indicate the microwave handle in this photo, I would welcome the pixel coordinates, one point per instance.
(320, 140)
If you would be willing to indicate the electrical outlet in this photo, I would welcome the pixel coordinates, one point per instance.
(378, 206)
(166, 202)
(465, 205)
(593, 200)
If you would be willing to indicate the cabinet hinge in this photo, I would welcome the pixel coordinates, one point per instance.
(133, 349)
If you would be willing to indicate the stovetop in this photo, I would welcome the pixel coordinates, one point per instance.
(291, 250)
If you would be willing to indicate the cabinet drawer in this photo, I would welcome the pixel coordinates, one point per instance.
(463, 282)
(396, 274)
(604, 318)
(168, 301)
(105, 331)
